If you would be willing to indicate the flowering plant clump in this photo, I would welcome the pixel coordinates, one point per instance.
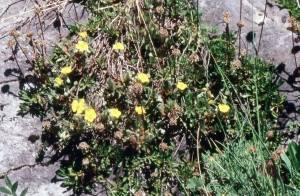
(130, 114)
(82, 46)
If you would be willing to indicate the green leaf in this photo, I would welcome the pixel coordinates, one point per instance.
(5, 190)
(7, 182)
(287, 162)
(24, 192)
(293, 150)
(14, 187)
(195, 183)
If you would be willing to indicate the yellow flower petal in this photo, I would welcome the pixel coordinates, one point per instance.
(118, 46)
(224, 108)
(78, 107)
(66, 70)
(210, 94)
(74, 105)
(82, 46)
(210, 101)
(140, 110)
(59, 81)
(143, 78)
(114, 112)
(81, 106)
(83, 34)
(181, 86)
(90, 115)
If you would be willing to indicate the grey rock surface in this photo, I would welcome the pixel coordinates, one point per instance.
(276, 44)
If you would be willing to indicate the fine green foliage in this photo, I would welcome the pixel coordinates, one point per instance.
(291, 164)
(11, 188)
(292, 7)
(141, 97)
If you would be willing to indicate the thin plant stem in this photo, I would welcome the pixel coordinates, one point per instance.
(262, 27)
(240, 29)
(228, 44)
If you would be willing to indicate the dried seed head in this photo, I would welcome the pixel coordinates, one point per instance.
(41, 42)
(279, 151)
(270, 134)
(176, 52)
(240, 23)
(243, 52)
(83, 146)
(237, 64)
(163, 146)
(270, 168)
(275, 156)
(37, 11)
(163, 33)
(296, 25)
(226, 14)
(29, 34)
(85, 161)
(174, 114)
(226, 20)
(138, 193)
(153, 174)
(11, 43)
(132, 140)
(194, 57)
(46, 124)
(118, 135)
(269, 163)
(159, 10)
(99, 127)
(291, 20)
(252, 149)
(13, 33)
(137, 89)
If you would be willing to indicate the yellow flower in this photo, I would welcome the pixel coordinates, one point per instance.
(224, 108)
(78, 107)
(210, 94)
(90, 115)
(210, 101)
(59, 81)
(82, 46)
(83, 34)
(204, 89)
(66, 70)
(114, 112)
(118, 46)
(181, 86)
(143, 78)
(140, 110)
